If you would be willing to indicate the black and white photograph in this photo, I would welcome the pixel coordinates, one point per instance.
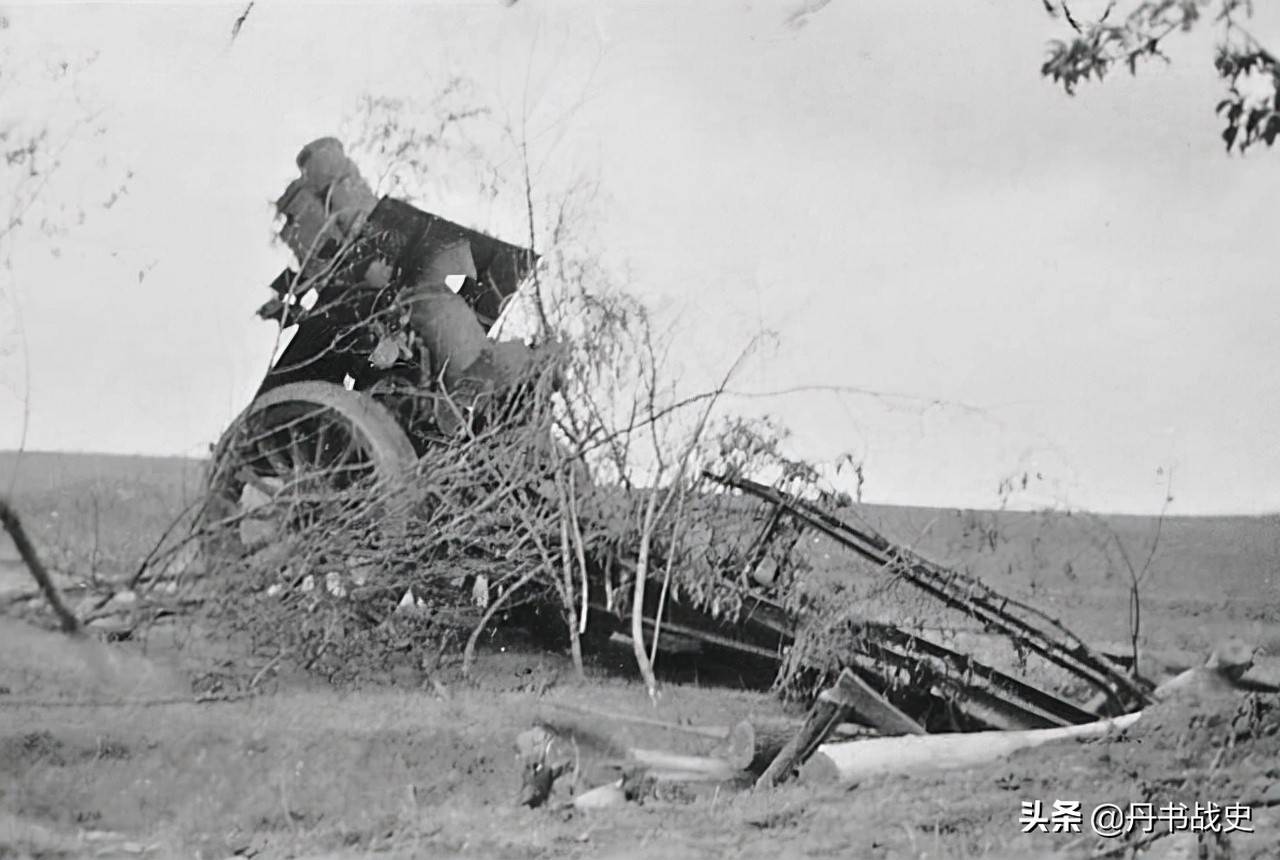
(640, 429)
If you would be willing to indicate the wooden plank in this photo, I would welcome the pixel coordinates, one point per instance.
(830, 709)
(871, 708)
(848, 763)
(695, 766)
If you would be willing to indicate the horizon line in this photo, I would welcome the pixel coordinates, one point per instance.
(1013, 509)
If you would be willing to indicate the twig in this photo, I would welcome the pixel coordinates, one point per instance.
(154, 552)
(258, 676)
(239, 22)
(13, 525)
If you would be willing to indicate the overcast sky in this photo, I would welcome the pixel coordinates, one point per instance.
(1083, 288)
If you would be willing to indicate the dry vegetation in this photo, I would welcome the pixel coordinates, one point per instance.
(412, 763)
(340, 669)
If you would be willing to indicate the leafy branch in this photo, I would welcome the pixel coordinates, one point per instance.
(1251, 72)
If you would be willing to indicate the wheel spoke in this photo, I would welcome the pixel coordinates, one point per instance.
(349, 449)
(298, 456)
(322, 440)
(302, 455)
(279, 464)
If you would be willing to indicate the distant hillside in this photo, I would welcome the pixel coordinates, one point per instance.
(96, 513)
(1070, 563)
(1209, 577)
(1230, 556)
(49, 471)
(1235, 555)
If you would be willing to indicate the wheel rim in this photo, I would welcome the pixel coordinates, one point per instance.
(296, 456)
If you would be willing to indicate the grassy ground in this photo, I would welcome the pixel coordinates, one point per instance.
(418, 770)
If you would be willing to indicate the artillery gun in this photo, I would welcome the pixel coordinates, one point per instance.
(390, 316)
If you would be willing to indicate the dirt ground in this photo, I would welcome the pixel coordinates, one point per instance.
(412, 772)
(103, 753)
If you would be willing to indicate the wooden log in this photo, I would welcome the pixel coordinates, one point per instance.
(872, 708)
(717, 732)
(848, 763)
(830, 709)
(696, 766)
(754, 742)
(696, 776)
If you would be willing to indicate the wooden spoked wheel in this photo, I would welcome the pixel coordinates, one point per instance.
(294, 456)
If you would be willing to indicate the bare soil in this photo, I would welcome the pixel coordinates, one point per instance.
(103, 753)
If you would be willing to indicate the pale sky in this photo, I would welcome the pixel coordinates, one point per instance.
(1080, 287)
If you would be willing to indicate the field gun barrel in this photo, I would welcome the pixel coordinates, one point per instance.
(367, 257)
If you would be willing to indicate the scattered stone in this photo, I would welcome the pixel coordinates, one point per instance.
(601, 797)
(333, 584)
(409, 604)
(1232, 658)
(1216, 679)
(255, 531)
(361, 571)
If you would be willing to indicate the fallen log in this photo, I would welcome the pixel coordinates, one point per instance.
(717, 732)
(848, 763)
(685, 768)
(832, 706)
(871, 708)
(755, 742)
(748, 745)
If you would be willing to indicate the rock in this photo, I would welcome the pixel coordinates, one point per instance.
(601, 797)
(1232, 658)
(408, 604)
(1216, 679)
(333, 584)
(362, 572)
(766, 571)
(1201, 684)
